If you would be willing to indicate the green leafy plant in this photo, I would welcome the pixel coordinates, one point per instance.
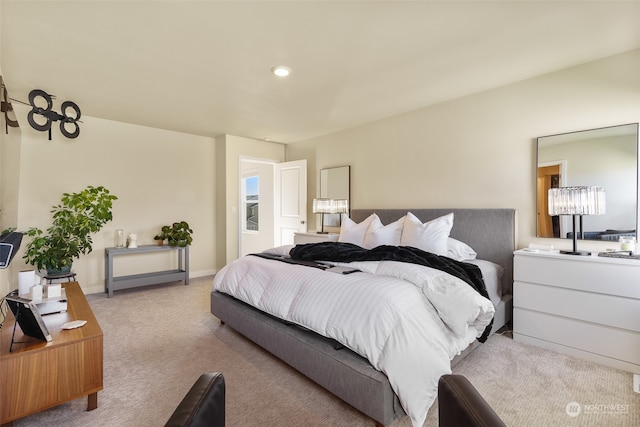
(163, 235)
(75, 219)
(178, 234)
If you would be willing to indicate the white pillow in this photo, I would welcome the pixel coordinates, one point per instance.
(430, 237)
(350, 232)
(459, 251)
(378, 234)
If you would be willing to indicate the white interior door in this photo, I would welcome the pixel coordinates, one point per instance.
(291, 200)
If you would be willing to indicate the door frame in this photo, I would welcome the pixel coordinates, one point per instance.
(565, 224)
(274, 182)
(255, 160)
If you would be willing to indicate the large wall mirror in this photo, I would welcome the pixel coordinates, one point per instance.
(605, 157)
(335, 183)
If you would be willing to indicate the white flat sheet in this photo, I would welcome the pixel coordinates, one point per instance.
(409, 321)
(492, 276)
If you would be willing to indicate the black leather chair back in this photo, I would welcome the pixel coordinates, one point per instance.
(203, 405)
(460, 405)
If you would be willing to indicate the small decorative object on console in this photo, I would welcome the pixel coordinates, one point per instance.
(119, 238)
(132, 240)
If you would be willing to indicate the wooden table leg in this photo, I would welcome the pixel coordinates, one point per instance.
(92, 401)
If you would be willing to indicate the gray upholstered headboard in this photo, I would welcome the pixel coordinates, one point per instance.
(490, 232)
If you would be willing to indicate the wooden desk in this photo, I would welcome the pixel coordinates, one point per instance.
(39, 375)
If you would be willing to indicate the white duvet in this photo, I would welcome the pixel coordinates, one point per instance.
(409, 321)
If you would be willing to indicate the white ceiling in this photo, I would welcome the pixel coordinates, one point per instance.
(203, 67)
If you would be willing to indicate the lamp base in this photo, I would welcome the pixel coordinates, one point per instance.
(583, 253)
(322, 232)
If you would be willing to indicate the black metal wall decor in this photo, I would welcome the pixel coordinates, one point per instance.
(6, 108)
(51, 116)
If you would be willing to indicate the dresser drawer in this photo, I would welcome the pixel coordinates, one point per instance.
(610, 342)
(585, 273)
(587, 306)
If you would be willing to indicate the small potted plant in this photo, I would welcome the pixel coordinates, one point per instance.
(178, 234)
(75, 219)
(163, 235)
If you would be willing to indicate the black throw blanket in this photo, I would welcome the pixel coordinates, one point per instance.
(347, 252)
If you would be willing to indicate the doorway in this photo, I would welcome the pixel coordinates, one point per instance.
(549, 176)
(272, 203)
(256, 206)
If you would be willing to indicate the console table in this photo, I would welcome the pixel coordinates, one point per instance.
(112, 283)
(38, 375)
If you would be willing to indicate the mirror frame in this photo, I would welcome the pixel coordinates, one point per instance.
(582, 135)
(342, 176)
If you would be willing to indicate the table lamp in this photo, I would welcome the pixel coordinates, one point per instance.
(577, 201)
(322, 206)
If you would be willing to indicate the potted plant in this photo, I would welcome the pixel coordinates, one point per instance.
(163, 235)
(75, 219)
(178, 234)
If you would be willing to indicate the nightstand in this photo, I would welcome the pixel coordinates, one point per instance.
(311, 237)
(584, 306)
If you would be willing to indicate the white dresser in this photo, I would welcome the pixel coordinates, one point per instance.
(584, 306)
(311, 237)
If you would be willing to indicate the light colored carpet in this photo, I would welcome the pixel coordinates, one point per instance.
(159, 339)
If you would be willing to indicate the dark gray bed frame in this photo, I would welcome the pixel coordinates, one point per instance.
(490, 232)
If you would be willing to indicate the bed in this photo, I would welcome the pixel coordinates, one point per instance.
(330, 362)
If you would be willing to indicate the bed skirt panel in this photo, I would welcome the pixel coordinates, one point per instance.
(344, 373)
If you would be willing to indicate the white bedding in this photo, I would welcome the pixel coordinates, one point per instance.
(492, 277)
(409, 321)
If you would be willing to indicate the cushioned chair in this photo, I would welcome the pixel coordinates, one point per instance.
(460, 405)
(203, 405)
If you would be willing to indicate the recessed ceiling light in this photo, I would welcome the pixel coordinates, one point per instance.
(281, 71)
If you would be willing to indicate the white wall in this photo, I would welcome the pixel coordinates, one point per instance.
(9, 179)
(478, 151)
(9, 185)
(158, 176)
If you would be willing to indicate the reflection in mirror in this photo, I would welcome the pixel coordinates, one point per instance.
(605, 157)
(335, 184)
